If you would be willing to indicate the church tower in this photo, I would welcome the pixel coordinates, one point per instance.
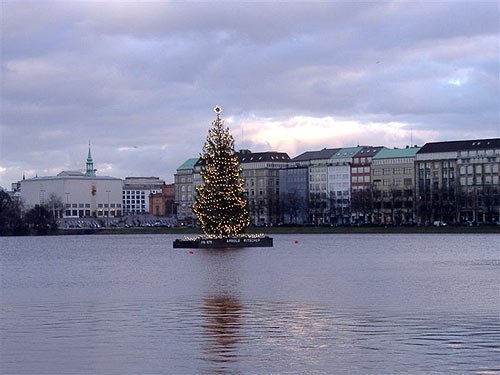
(90, 165)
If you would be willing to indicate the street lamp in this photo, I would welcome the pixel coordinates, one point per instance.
(107, 222)
(67, 203)
(42, 200)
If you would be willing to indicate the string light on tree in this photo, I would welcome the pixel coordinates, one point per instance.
(221, 204)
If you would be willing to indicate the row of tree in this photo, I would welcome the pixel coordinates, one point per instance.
(15, 220)
(391, 206)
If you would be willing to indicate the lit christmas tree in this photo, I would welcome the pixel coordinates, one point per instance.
(221, 203)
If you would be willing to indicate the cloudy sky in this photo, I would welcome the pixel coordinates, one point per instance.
(139, 80)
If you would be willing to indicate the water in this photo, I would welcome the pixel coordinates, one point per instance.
(357, 304)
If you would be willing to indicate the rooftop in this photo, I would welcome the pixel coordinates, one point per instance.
(188, 164)
(387, 153)
(347, 152)
(323, 154)
(62, 176)
(369, 151)
(269, 156)
(450, 146)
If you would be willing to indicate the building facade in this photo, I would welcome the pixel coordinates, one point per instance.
(162, 203)
(294, 194)
(184, 181)
(339, 187)
(81, 194)
(458, 181)
(136, 192)
(393, 175)
(306, 169)
(260, 171)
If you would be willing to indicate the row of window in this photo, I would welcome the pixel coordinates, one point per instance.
(478, 153)
(435, 164)
(360, 179)
(136, 192)
(392, 161)
(361, 170)
(128, 201)
(488, 180)
(394, 182)
(87, 213)
(478, 169)
(87, 205)
(392, 171)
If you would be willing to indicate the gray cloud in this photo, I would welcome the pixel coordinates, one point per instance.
(139, 79)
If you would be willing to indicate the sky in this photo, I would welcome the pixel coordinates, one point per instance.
(139, 80)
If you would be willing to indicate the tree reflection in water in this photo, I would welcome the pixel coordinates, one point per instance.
(222, 330)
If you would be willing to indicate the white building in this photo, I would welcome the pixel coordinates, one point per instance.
(82, 194)
(136, 191)
(339, 184)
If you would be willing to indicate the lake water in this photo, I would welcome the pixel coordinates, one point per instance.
(336, 304)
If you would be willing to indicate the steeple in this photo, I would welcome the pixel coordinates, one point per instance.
(90, 165)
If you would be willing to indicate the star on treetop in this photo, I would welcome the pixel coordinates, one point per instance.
(218, 110)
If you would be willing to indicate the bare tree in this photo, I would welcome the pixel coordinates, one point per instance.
(362, 203)
(55, 205)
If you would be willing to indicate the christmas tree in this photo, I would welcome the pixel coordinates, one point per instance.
(221, 203)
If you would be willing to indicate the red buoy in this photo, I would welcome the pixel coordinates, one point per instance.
(191, 252)
(295, 242)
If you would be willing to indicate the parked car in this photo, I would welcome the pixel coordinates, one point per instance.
(439, 223)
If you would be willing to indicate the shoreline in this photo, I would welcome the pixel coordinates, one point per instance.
(493, 229)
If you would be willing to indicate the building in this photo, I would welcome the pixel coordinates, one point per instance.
(393, 175)
(184, 181)
(75, 193)
(306, 179)
(260, 170)
(458, 181)
(294, 194)
(136, 192)
(162, 203)
(361, 168)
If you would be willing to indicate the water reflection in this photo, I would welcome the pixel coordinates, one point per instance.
(222, 329)
(221, 310)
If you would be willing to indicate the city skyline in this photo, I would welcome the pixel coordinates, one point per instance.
(139, 80)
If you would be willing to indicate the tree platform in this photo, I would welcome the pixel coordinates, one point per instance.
(222, 243)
